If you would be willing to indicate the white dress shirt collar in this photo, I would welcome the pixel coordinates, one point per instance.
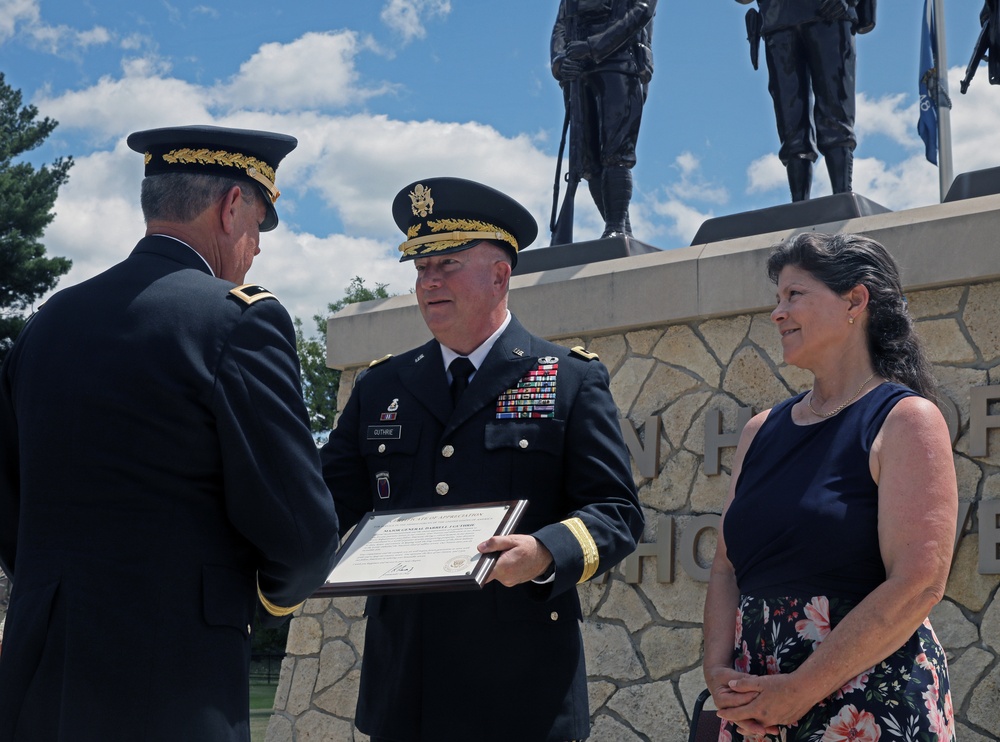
(479, 354)
(189, 248)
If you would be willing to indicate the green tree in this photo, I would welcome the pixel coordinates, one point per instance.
(320, 383)
(27, 196)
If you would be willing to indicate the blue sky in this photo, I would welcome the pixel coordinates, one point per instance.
(384, 92)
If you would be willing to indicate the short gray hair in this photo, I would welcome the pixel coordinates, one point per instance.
(180, 197)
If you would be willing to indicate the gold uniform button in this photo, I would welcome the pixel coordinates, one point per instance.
(523, 443)
(381, 448)
(448, 451)
(442, 488)
(554, 615)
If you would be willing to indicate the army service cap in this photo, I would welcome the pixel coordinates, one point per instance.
(446, 215)
(244, 154)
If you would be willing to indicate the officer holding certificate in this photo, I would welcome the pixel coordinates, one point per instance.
(158, 481)
(484, 412)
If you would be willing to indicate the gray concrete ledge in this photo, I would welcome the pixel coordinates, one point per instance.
(944, 244)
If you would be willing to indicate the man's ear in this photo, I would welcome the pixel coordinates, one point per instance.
(501, 273)
(227, 209)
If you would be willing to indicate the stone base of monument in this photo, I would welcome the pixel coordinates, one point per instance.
(538, 259)
(974, 184)
(801, 214)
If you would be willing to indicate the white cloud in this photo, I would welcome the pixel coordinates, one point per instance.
(974, 116)
(692, 186)
(686, 219)
(897, 186)
(407, 17)
(97, 213)
(904, 185)
(889, 116)
(314, 71)
(25, 16)
(913, 181)
(133, 42)
(15, 12)
(206, 10)
(673, 203)
(766, 173)
(141, 99)
(306, 272)
(358, 163)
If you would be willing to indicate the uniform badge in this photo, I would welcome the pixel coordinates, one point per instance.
(518, 352)
(421, 202)
(382, 484)
(385, 432)
(393, 406)
(251, 293)
(534, 395)
(580, 352)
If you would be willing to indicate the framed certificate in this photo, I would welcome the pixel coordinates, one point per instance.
(400, 551)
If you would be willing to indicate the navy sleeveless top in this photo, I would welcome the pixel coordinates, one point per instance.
(804, 520)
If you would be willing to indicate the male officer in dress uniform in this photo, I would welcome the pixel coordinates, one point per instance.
(811, 59)
(606, 46)
(535, 421)
(158, 479)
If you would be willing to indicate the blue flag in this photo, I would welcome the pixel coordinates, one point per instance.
(932, 97)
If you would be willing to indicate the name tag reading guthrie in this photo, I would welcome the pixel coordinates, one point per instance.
(408, 551)
(384, 432)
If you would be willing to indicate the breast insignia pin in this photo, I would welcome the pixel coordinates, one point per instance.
(382, 485)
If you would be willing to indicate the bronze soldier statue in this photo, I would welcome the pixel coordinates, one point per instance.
(810, 53)
(601, 56)
(987, 45)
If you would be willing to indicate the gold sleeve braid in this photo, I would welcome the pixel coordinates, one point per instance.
(276, 610)
(591, 557)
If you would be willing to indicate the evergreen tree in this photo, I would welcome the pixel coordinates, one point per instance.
(320, 383)
(27, 196)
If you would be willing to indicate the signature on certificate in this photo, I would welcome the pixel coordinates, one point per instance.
(400, 569)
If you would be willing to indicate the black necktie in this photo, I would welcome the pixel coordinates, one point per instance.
(461, 369)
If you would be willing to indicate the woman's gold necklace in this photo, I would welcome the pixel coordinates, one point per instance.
(834, 412)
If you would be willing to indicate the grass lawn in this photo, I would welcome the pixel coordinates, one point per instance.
(261, 703)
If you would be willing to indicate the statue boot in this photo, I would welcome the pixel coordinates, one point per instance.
(800, 177)
(840, 165)
(597, 192)
(617, 187)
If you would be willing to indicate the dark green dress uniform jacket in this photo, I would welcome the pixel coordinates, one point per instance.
(156, 465)
(501, 663)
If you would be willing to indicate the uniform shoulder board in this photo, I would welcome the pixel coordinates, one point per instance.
(377, 361)
(251, 292)
(580, 352)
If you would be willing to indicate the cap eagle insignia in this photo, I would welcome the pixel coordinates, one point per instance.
(421, 201)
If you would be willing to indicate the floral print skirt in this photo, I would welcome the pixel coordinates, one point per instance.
(904, 697)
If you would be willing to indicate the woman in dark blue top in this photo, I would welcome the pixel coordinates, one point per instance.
(837, 534)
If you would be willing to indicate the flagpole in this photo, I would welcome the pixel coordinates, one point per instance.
(944, 113)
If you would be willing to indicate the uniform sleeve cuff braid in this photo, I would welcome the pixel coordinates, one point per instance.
(275, 610)
(591, 557)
